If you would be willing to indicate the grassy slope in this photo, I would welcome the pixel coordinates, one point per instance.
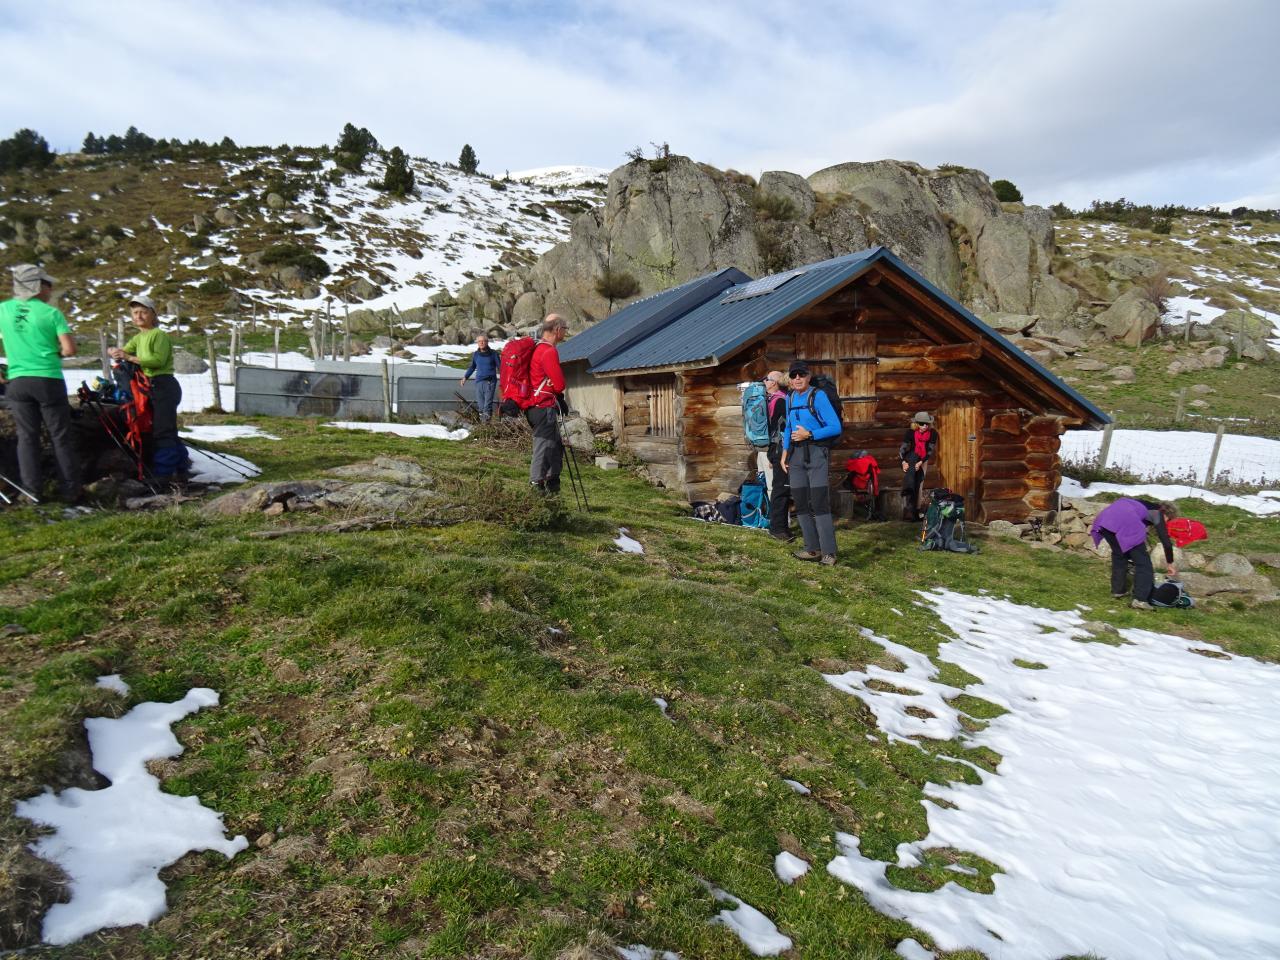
(1241, 389)
(493, 787)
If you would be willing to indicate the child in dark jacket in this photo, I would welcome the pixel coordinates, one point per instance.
(917, 449)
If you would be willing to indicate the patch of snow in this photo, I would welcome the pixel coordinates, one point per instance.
(662, 706)
(911, 950)
(1177, 308)
(1134, 813)
(220, 433)
(432, 431)
(564, 176)
(756, 931)
(1260, 505)
(113, 681)
(789, 867)
(626, 544)
(962, 869)
(638, 951)
(797, 786)
(210, 467)
(1156, 454)
(113, 842)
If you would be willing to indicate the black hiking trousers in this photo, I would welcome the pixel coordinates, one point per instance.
(37, 400)
(1144, 577)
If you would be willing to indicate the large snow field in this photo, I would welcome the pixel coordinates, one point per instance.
(1134, 813)
(113, 842)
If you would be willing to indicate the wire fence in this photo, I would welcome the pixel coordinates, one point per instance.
(1224, 458)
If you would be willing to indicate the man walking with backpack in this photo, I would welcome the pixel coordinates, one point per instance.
(813, 425)
(543, 411)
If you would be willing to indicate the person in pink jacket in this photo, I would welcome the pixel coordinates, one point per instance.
(1124, 525)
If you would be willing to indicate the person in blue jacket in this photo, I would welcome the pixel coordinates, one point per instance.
(812, 427)
(484, 364)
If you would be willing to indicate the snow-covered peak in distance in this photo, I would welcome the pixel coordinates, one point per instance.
(563, 176)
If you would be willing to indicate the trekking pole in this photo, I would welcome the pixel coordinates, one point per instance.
(21, 489)
(225, 459)
(98, 408)
(569, 457)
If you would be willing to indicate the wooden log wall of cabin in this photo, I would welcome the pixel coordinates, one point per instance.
(642, 399)
(714, 456)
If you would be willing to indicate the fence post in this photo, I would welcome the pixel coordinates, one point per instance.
(253, 319)
(1181, 407)
(119, 331)
(346, 331)
(1186, 329)
(1211, 471)
(213, 373)
(235, 350)
(386, 391)
(276, 338)
(315, 347)
(106, 359)
(1105, 450)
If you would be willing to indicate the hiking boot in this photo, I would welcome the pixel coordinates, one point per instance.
(785, 537)
(812, 556)
(1141, 605)
(1120, 596)
(828, 560)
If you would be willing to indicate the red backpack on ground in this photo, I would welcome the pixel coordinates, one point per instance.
(513, 371)
(863, 479)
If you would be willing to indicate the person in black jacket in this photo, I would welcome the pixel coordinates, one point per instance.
(918, 447)
(484, 364)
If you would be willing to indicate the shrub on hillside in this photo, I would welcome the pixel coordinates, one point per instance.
(617, 285)
(1006, 192)
(398, 180)
(468, 162)
(1161, 225)
(771, 206)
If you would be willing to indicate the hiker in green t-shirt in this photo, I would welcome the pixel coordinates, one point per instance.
(36, 338)
(152, 351)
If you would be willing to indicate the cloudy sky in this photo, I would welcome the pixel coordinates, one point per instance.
(1155, 100)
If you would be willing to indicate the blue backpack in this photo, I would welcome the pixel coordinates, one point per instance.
(755, 414)
(755, 503)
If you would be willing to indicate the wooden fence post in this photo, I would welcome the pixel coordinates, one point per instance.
(1105, 450)
(106, 359)
(213, 373)
(346, 331)
(386, 391)
(1211, 471)
(1180, 409)
(235, 350)
(119, 331)
(276, 338)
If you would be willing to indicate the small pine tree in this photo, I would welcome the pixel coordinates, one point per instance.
(354, 144)
(92, 144)
(1006, 192)
(467, 160)
(227, 144)
(398, 180)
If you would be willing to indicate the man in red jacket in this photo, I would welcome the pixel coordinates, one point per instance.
(547, 381)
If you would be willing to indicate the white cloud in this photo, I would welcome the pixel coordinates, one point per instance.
(1161, 100)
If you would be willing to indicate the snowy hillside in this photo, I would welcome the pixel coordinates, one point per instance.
(562, 176)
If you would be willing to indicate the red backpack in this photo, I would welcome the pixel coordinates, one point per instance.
(513, 371)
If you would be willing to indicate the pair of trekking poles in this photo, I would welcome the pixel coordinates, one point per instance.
(569, 458)
(16, 488)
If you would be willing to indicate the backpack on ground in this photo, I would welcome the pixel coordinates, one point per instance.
(1171, 593)
(943, 527)
(863, 478)
(755, 414)
(754, 501)
(824, 383)
(513, 371)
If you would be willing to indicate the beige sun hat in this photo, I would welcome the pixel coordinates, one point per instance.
(923, 417)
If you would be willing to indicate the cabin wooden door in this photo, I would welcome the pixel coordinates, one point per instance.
(959, 425)
(850, 360)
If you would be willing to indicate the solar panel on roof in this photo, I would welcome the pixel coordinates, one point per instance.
(758, 288)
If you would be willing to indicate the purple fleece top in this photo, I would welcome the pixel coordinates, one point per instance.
(1126, 518)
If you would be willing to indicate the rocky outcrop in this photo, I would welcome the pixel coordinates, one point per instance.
(668, 220)
(1132, 319)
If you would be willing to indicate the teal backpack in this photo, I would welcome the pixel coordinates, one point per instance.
(755, 503)
(755, 414)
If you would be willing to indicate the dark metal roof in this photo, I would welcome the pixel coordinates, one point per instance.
(646, 317)
(671, 333)
(717, 328)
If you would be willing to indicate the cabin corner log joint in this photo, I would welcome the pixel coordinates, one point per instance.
(667, 371)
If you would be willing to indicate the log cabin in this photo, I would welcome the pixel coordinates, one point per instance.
(668, 372)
